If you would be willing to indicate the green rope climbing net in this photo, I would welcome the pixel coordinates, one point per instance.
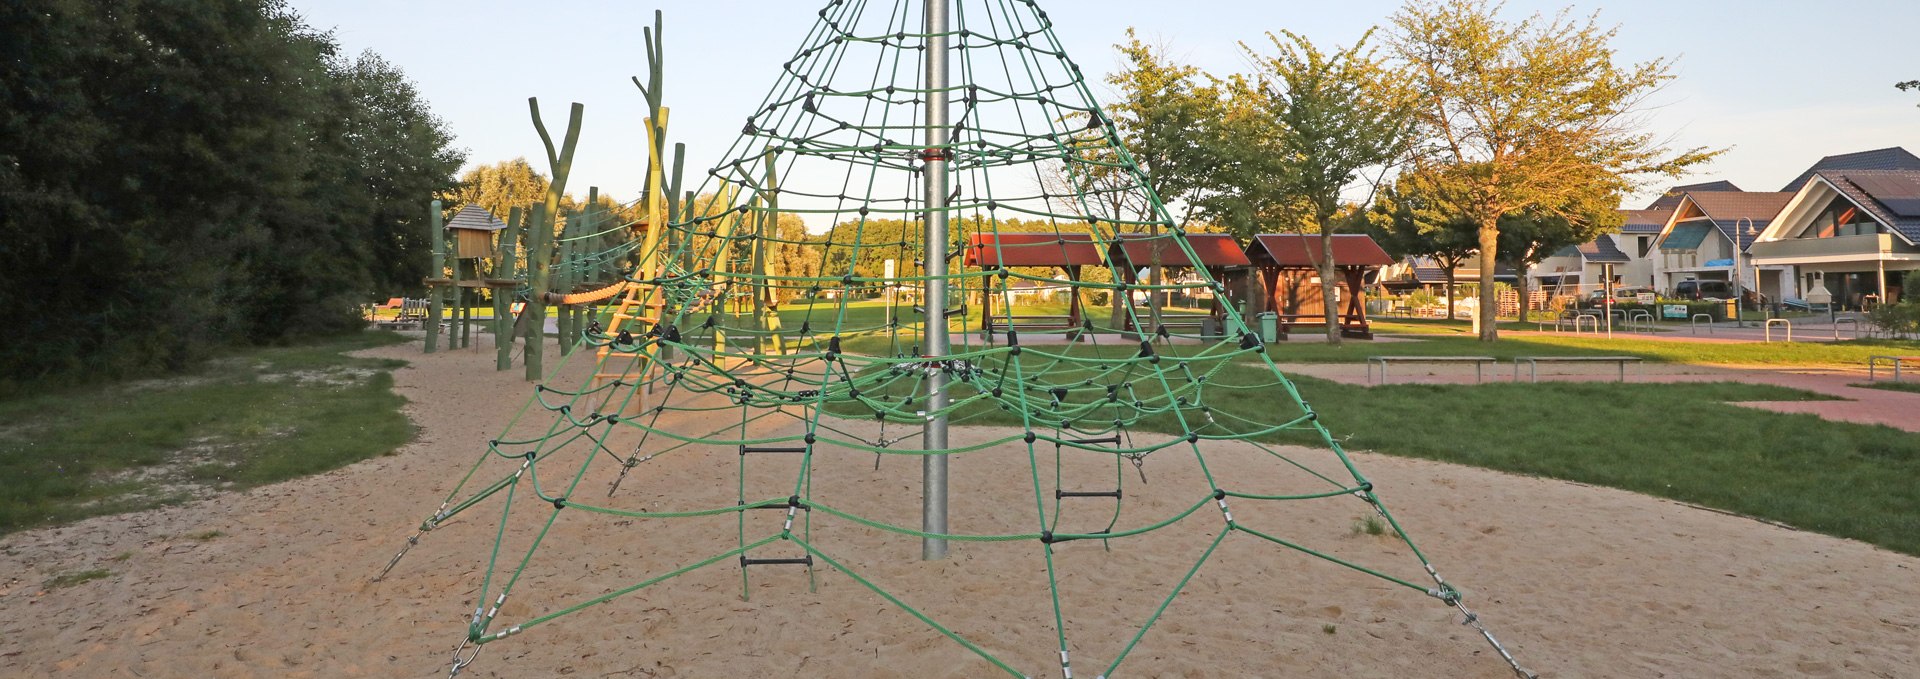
(838, 138)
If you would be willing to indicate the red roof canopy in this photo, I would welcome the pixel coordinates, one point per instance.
(1032, 249)
(1213, 249)
(1303, 250)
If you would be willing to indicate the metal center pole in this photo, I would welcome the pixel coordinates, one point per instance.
(933, 473)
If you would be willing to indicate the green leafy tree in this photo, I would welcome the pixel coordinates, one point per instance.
(1314, 123)
(1908, 86)
(1162, 111)
(1528, 115)
(1417, 216)
(1531, 236)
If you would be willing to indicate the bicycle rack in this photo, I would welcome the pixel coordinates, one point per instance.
(1780, 322)
(1695, 322)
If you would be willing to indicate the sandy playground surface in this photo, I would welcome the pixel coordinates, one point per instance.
(1578, 581)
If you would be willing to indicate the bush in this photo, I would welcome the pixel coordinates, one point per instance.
(1896, 320)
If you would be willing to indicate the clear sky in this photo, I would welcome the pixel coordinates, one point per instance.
(1780, 83)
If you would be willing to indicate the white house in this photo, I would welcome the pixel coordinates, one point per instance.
(1853, 232)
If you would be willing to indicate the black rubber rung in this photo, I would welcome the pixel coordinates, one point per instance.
(772, 449)
(777, 505)
(1115, 440)
(802, 561)
(1086, 493)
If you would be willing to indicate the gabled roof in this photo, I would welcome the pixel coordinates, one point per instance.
(1890, 158)
(476, 218)
(1671, 199)
(1733, 211)
(1213, 249)
(1646, 221)
(1032, 249)
(1892, 197)
(1686, 236)
(1603, 251)
(1303, 250)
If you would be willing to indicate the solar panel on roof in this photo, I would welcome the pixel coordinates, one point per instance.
(1899, 192)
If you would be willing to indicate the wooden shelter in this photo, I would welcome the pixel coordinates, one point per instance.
(1289, 266)
(1065, 251)
(1217, 254)
(473, 228)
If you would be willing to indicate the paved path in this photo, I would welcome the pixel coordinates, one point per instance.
(1897, 409)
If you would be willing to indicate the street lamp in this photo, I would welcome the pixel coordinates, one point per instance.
(1740, 253)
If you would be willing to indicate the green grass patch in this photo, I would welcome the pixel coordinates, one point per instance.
(1909, 387)
(1847, 353)
(249, 418)
(65, 580)
(1684, 441)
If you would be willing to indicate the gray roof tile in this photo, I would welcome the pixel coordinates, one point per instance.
(1851, 183)
(1890, 158)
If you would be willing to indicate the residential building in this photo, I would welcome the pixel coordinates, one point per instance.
(1852, 232)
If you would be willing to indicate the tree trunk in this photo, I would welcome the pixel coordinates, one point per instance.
(1520, 285)
(1329, 287)
(1489, 311)
(1449, 274)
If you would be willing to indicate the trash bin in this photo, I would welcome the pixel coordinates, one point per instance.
(1210, 328)
(1733, 310)
(1269, 326)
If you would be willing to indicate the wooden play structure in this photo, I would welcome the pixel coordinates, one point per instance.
(1289, 278)
(1067, 252)
(1217, 253)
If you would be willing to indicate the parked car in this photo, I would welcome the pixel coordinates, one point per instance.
(1699, 290)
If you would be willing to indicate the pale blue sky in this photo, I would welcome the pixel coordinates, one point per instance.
(1782, 83)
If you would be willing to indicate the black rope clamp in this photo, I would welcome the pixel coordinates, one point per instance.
(809, 438)
(559, 503)
(1046, 537)
(1030, 437)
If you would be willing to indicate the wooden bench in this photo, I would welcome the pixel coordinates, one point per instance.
(1478, 363)
(1897, 361)
(413, 313)
(1533, 363)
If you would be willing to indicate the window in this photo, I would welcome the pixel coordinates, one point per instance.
(1646, 245)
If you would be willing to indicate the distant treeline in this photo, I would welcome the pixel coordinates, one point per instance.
(181, 175)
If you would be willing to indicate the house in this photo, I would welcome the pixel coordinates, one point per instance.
(1852, 232)
(1632, 254)
(1708, 233)
(1712, 229)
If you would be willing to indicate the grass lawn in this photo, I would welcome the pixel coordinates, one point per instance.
(1912, 387)
(1847, 353)
(1680, 441)
(251, 418)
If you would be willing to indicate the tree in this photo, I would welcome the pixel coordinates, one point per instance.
(1528, 237)
(1528, 115)
(1908, 86)
(1416, 216)
(499, 187)
(1160, 115)
(1329, 117)
(209, 192)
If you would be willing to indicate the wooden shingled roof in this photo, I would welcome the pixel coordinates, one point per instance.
(1303, 250)
(1213, 249)
(1032, 249)
(476, 218)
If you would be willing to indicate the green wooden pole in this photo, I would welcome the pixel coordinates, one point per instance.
(563, 283)
(436, 234)
(541, 267)
(504, 269)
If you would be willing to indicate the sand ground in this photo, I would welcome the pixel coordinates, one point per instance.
(1578, 581)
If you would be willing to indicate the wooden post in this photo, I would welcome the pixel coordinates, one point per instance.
(540, 267)
(436, 234)
(763, 223)
(563, 282)
(503, 270)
